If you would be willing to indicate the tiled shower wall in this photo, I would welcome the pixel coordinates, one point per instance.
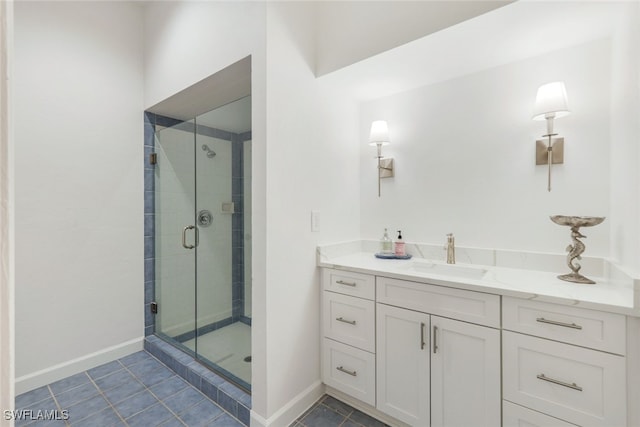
(149, 224)
(238, 191)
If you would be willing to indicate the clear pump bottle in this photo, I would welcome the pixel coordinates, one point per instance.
(386, 246)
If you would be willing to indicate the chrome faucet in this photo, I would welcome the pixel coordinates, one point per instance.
(451, 249)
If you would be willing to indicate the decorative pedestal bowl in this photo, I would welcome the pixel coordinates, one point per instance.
(577, 248)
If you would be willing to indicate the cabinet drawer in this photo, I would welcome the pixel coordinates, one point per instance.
(349, 320)
(581, 386)
(350, 370)
(580, 326)
(344, 282)
(518, 416)
(470, 306)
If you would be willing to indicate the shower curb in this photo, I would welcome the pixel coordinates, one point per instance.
(231, 398)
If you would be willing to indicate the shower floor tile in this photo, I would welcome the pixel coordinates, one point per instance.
(135, 390)
(227, 347)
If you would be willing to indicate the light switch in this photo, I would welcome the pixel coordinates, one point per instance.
(315, 221)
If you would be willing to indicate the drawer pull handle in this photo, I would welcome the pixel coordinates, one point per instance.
(351, 322)
(435, 338)
(422, 325)
(554, 322)
(562, 383)
(346, 371)
(342, 282)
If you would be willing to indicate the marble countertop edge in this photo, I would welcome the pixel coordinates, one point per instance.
(611, 295)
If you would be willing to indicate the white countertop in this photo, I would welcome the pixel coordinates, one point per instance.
(605, 295)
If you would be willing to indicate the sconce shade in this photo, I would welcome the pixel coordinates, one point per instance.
(379, 133)
(551, 99)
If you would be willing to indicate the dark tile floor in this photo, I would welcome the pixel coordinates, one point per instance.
(330, 412)
(136, 390)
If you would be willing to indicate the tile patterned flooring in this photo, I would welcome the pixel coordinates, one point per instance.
(330, 412)
(136, 390)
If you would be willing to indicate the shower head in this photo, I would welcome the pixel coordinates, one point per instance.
(210, 153)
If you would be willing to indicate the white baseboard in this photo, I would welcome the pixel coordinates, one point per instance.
(57, 372)
(292, 410)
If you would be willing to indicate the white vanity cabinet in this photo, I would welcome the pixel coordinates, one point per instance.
(433, 370)
(416, 354)
(348, 324)
(582, 383)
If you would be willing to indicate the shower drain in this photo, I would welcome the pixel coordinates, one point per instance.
(247, 359)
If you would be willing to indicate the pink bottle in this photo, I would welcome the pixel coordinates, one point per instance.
(399, 245)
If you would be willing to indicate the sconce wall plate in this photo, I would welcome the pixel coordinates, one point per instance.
(557, 149)
(386, 168)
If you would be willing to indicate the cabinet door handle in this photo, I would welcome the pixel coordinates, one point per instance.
(346, 371)
(351, 322)
(555, 322)
(435, 337)
(562, 383)
(342, 282)
(422, 326)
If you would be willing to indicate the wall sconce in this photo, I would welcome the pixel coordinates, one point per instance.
(551, 103)
(379, 136)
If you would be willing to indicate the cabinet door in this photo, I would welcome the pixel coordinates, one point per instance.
(465, 374)
(402, 364)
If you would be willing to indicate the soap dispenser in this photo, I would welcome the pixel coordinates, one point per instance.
(399, 246)
(386, 246)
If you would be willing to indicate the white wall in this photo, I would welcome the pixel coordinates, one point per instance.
(464, 153)
(7, 283)
(79, 209)
(186, 42)
(463, 145)
(624, 137)
(312, 164)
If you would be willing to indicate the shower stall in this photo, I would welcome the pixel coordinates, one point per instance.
(202, 237)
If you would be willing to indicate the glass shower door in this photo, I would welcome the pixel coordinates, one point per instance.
(203, 237)
(175, 234)
(223, 324)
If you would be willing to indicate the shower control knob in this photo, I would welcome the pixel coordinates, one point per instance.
(205, 218)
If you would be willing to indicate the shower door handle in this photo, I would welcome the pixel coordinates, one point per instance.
(184, 237)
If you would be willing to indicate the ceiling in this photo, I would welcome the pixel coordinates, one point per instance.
(520, 30)
(351, 31)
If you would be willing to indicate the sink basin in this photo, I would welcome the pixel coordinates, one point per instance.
(452, 270)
